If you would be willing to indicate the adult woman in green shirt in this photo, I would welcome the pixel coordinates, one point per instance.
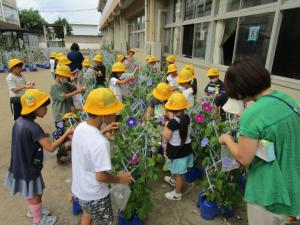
(273, 188)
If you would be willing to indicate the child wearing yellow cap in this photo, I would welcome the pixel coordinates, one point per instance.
(62, 92)
(178, 150)
(91, 158)
(215, 86)
(172, 75)
(152, 62)
(17, 86)
(100, 71)
(28, 141)
(184, 80)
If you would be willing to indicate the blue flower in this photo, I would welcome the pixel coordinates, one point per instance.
(149, 82)
(131, 122)
(204, 142)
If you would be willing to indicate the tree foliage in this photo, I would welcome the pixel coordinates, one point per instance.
(31, 20)
(59, 31)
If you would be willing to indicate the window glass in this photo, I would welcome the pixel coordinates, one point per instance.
(197, 8)
(168, 40)
(286, 61)
(200, 40)
(254, 36)
(188, 39)
(228, 6)
(251, 3)
(176, 40)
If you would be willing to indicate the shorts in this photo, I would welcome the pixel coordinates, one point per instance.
(180, 166)
(100, 210)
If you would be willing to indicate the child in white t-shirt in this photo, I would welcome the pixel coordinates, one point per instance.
(185, 79)
(172, 75)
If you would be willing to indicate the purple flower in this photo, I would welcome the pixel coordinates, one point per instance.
(199, 118)
(149, 82)
(132, 81)
(134, 160)
(60, 124)
(204, 142)
(131, 122)
(206, 107)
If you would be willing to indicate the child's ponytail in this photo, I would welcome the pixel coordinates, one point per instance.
(183, 127)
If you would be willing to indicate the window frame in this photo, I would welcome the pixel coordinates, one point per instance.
(136, 29)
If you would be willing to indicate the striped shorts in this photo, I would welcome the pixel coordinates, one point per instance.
(100, 210)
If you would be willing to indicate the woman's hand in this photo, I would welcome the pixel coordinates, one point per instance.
(110, 127)
(223, 138)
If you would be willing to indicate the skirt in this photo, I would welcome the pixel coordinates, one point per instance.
(24, 188)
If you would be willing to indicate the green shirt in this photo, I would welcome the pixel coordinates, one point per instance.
(60, 104)
(274, 185)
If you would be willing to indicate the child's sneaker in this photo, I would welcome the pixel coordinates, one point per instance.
(45, 212)
(169, 180)
(47, 220)
(173, 195)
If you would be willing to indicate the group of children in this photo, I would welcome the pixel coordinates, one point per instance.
(90, 149)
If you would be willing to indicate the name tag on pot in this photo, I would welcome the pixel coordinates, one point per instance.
(266, 151)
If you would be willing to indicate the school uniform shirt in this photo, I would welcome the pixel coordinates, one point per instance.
(52, 65)
(15, 81)
(76, 59)
(26, 152)
(215, 88)
(90, 154)
(172, 81)
(60, 104)
(100, 79)
(115, 88)
(189, 95)
(174, 148)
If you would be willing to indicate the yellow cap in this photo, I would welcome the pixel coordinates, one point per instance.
(118, 67)
(177, 101)
(162, 91)
(64, 71)
(102, 101)
(13, 62)
(213, 72)
(63, 60)
(172, 68)
(58, 55)
(190, 67)
(132, 50)
(171, 59)
(70, 115)
(120, 58)
(98, 58)
(185, 76)
(53, 55)
(32, 99)
(148, 57)
(152, 59)
(86, 63)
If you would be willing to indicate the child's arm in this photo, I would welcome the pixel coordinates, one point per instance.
(77, 91)
(125, 81)
(52, 146)
(121, 178)
(149, 112)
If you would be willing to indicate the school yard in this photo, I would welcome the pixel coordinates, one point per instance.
(58, 180)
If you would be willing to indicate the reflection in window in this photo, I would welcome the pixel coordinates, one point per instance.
(188, 38)
(172, 40)
(254, 36)
(250, 3)
(286, 61)
(173, 11)
(200, 40)
(231, 5)
(197, 8)
(136, 32)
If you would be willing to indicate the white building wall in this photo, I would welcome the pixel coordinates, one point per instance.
(84, 29)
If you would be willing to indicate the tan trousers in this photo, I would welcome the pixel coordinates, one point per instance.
(258, 215)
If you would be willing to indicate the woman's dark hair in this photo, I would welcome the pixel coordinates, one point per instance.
(114, 74)
(183, 125)
(75, 47)
(246, 78)
(32, 115)
(194, 86)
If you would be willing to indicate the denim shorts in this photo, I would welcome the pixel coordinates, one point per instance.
(180, 166)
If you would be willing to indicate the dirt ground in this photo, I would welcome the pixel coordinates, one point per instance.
(58, 178)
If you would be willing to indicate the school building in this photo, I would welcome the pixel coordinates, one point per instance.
(209, 33)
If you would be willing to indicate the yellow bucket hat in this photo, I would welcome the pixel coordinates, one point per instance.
(58, 55)
(32, 99)
(118, 67)
(64, 61)
(213, 72)
(171, 59)
(172, 68)
(13, 62)
(190, 67)
(102, 101)
(152, 59)
(185, 76)
(120, 58)
(64, 71)
(162, 91)
(86, 63)
(53, 55)
(131, 50)
(98, 58)
(70, 115)
(177, 101)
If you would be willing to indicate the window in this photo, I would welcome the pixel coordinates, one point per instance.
(188, 37)
(286, 60)
(172, 40)
(200, 40)
(173, 11)
(254, 36)
(197, 8)
(11, 15)
(136, 31)
(231, 5)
